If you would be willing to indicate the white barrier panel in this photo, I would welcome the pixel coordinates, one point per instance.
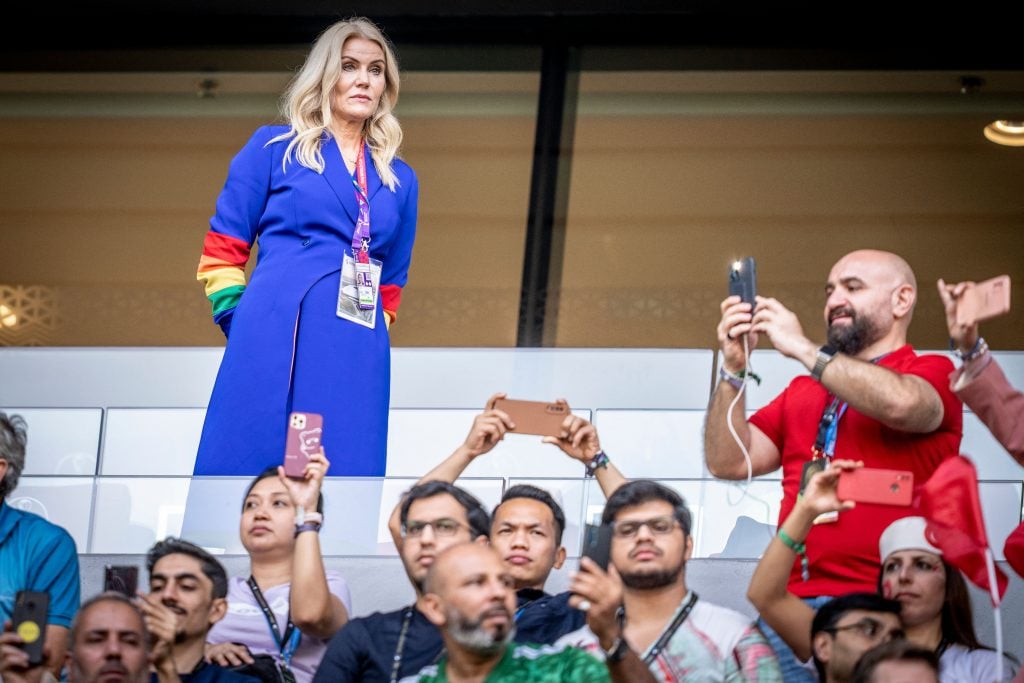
(65, 501)
(151, 441)
(61, 441)
(132, 513)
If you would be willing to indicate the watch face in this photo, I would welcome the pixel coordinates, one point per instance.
(829, 349)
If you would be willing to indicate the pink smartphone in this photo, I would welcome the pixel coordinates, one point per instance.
(534, 417)
(871, 485)
(984, 300)
(305, 433)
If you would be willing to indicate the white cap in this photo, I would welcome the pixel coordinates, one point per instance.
(905, 534)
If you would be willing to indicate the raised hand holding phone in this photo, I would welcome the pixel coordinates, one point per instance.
(29, 621)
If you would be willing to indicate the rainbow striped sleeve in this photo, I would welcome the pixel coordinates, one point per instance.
(222, 271)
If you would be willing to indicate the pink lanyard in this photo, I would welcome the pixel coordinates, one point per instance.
(361, 236)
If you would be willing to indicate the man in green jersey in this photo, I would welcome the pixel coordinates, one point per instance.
(470, 597)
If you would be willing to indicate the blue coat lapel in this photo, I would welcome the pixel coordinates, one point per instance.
(337, 176)
(372, 180)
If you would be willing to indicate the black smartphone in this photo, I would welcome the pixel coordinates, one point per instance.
(597, 544)
(743, 280)
(29, 622)
(121, 579)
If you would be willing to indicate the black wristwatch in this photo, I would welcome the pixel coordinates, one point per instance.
(825, 355)
(617, 652)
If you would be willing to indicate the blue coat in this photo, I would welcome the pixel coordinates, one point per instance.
(287, 349)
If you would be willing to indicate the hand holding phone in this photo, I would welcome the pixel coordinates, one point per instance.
(743, 280)
(983, 301)
(874, 485)
(304, 438)
(29, 621)
(535, 417)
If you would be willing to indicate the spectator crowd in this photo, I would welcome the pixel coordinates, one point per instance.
(844, 592)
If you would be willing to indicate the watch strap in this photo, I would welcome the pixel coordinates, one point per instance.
(825, 356)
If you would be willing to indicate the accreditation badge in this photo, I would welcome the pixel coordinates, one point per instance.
(358, 291)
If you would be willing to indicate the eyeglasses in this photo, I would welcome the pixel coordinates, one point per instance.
(659, 526)
(870, 629)
(441, 527)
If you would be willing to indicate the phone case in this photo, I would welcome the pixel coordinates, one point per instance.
(305, 434)
(984, 300)
(122, 579)
(597, 544)
(880, 486)
(743, 280)
(29, 621)
(534, 417)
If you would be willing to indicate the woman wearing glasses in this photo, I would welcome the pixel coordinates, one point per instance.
(282, 615)
(935, 607)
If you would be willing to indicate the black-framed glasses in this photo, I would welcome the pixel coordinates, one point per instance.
(870, 629)
(442, 527)
(659, 526)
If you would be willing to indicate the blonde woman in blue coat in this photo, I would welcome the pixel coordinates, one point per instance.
(333, 211)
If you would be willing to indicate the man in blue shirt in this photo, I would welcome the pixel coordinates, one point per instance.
(35, 555)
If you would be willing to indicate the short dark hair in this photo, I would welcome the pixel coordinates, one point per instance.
(893, 651)
(539, 495)
(829, 614)
(476, 515)
(640, 491)
(13, 439)
(213, 569)
(272, 472)
(108, 596)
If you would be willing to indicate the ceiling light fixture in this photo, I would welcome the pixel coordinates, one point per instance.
(1004, 132)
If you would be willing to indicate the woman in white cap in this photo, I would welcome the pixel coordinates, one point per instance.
(936, 607)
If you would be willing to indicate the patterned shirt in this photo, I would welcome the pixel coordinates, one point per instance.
(530, 664)
(712, 645)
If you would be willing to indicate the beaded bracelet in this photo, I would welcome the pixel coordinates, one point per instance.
(979, 348)
(600, 460)
(800, 549)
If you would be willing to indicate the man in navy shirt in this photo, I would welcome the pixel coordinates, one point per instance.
(35, 555)
(386, 646)
(188, 595)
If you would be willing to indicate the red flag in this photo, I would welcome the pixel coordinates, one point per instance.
(949, 501)
(1014, 549)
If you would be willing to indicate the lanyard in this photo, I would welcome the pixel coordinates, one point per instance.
(361, 236)
(828, 428)
(667, 634)
(290, 640)
(397, 663)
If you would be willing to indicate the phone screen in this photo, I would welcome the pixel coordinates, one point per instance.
(122, 579)
(743, 280)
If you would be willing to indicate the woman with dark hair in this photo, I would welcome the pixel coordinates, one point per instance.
(936, 607)
(289, 606)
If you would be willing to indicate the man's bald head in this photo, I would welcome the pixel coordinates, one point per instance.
(871, 298)
(464, 555)
(885, 263)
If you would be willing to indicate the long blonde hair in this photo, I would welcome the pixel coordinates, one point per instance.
(306, 103)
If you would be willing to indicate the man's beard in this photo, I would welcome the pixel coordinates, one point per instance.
(651, 580)
(853, 338)
(474, 637)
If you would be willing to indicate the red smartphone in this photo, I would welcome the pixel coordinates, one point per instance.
(880, 486)
(534, 417)
(984, 300)
(305, 435)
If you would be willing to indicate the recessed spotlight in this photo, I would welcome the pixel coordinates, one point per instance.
(1004, 132)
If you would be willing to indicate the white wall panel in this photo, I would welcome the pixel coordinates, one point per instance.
(65, 501)
(61, 440)
(132, 513)
(161, 441)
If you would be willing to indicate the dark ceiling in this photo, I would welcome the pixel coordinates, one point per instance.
(81, 36)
